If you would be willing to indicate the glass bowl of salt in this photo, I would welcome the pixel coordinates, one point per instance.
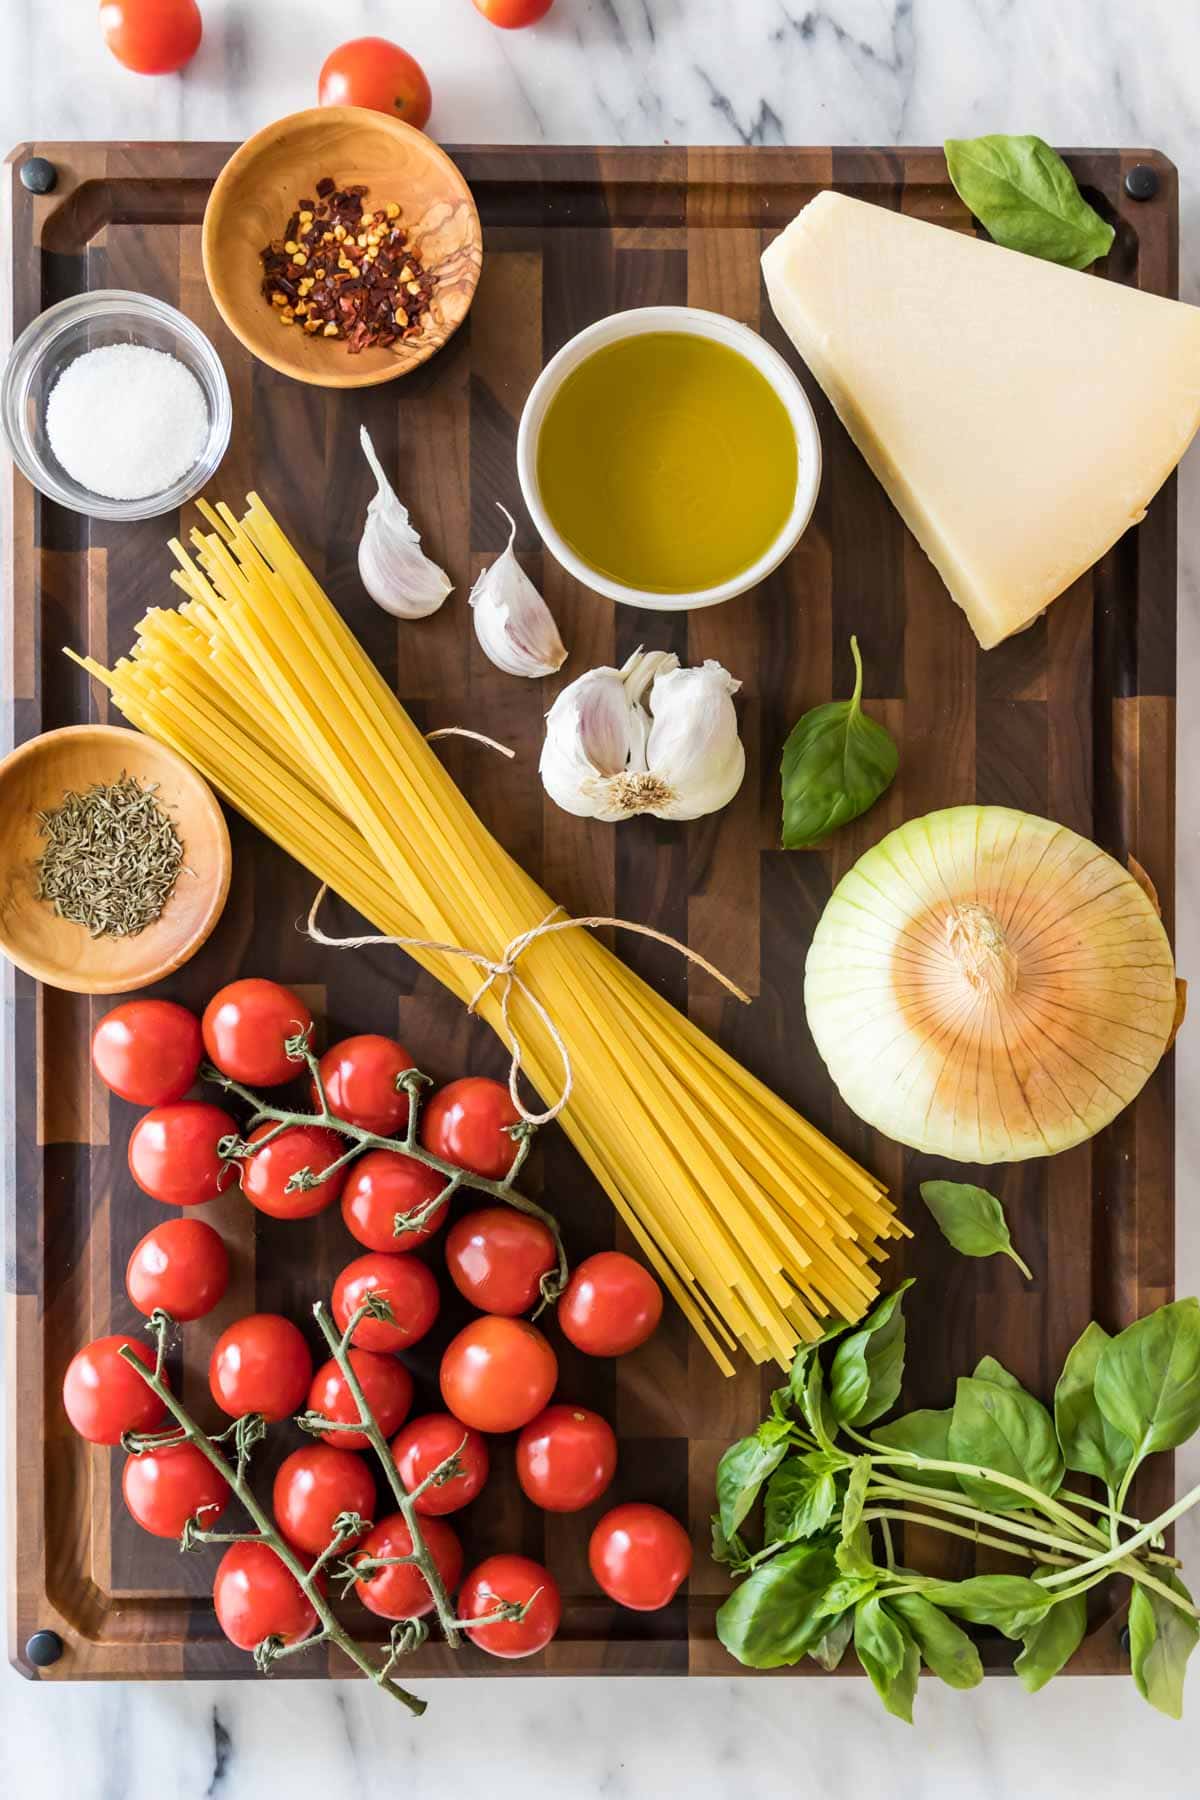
(115, 405)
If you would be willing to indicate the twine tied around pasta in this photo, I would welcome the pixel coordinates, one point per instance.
(504, 972)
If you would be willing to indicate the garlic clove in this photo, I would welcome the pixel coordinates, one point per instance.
(395, 570)
(593, 735)
(694, 749)
(515, 627)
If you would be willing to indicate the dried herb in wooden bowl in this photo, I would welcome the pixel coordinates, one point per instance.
(112, 857)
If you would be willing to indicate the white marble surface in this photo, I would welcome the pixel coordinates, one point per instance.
(644, 71)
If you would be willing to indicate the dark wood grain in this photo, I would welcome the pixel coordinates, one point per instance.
(1073, 718)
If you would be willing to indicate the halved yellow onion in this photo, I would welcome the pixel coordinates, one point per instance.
(989, 986)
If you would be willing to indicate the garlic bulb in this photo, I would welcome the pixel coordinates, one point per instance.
(989, 986)
(395, 570)
(514, 625)
(607, 757)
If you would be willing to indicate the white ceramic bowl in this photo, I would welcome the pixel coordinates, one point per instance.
(723, 331)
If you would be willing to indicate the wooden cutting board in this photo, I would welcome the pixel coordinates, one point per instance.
(1074, 718)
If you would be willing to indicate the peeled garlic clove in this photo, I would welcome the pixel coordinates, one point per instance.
(515, 627)
(395, 570)
(694, 751)
(593, 737)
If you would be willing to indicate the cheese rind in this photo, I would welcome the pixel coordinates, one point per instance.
(1020, 415)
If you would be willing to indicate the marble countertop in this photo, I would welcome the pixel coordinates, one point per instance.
(649, 71)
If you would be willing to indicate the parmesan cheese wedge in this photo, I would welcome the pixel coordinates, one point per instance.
(1020, 415)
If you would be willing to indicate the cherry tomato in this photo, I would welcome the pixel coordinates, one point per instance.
(256, 1597)
(104, 1397)
(148, 1051)
(511, 15)
(409, 1288)
(497, 1374)
(261, 1365)
(181, 1268)
(266, 1174)
(383, 1183)
(464, 1122)
(401, 1591)
(611, 1305)
(165, 1488)
(152, 37)
(246, 1026)
(174, 1155)
(497, 1257)
(371, 71)
(359, 1078)
(428, 1441)
(512, 1578)
(386, 1384)
(566, 1457)
(639, 1555)
(313, 1486)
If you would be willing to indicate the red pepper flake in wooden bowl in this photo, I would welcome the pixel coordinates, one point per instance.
(343, 271)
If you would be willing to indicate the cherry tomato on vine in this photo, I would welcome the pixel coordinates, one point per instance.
(246, 1026)
(104, 1397)
(497, 1374)
(401, 1591)
(181, 1267)
(256, 1597)
(566, 1457)
(315, 1484)
(383, 1183)
(373, 72)
(497, 1257)
(386, 1384)
(427, 1442)
(611, 1304)
(513, 15)
(516, 1579)
(260, 1364)
(148, 1051)
(165, 1488)
(359, 1078)
(464, 1122)
(174, 1154)
(266, 1174)
(152, 37)
(409, 1288)
(639, 1555)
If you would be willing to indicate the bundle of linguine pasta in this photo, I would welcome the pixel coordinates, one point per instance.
(759, 1227)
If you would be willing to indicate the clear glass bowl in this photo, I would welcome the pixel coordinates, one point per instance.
(87, 322)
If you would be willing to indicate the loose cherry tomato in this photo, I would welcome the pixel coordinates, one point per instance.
(266, 1174)
(401, 1591)
(497, 1374)
(152, 37)
(315, 1484)
(497, 1257)
(256, 1597)
(104, 1397)
(611, 1305)
(639, 1555)
(386, 1384)
(359, 1078)
(409, 1288)
(261, 1365)
(424, 1444)
(371, 71)
(512, 15)
(246, 1026)
(464, 1123)
(181, 1268)
(382, 1184)
(165, 1488)
(516, 1579)
(174, 1155)
(148, 1051)
(566, 1457)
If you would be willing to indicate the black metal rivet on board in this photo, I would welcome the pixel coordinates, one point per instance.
(1141, 182)
(39, 176)
(44, 1648)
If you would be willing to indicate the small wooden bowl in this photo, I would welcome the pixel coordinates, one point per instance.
(256, 192)
(34, 779)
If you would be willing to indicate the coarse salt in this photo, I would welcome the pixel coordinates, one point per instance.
(126, 421)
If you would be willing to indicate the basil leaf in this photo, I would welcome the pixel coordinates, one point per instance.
(798, 1504)
(1051, 1642)
(846, 1592)
(830, 1648)
(1147, 1380)
(988, 1369)
(729, 1551)
(1004, 1429)
(741, 1473)
(971, 1220)
(889, 1656)
(926, 1433)
(1024, 194)
(856, 1498)
(1161, 1638)
(868, 1369)
(944, 1646)
(1009, 1603)
(853, 1554)
(772, 1618)
(802, 1360)
(814, 1404)
(1090, 1444)
(836, 763)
